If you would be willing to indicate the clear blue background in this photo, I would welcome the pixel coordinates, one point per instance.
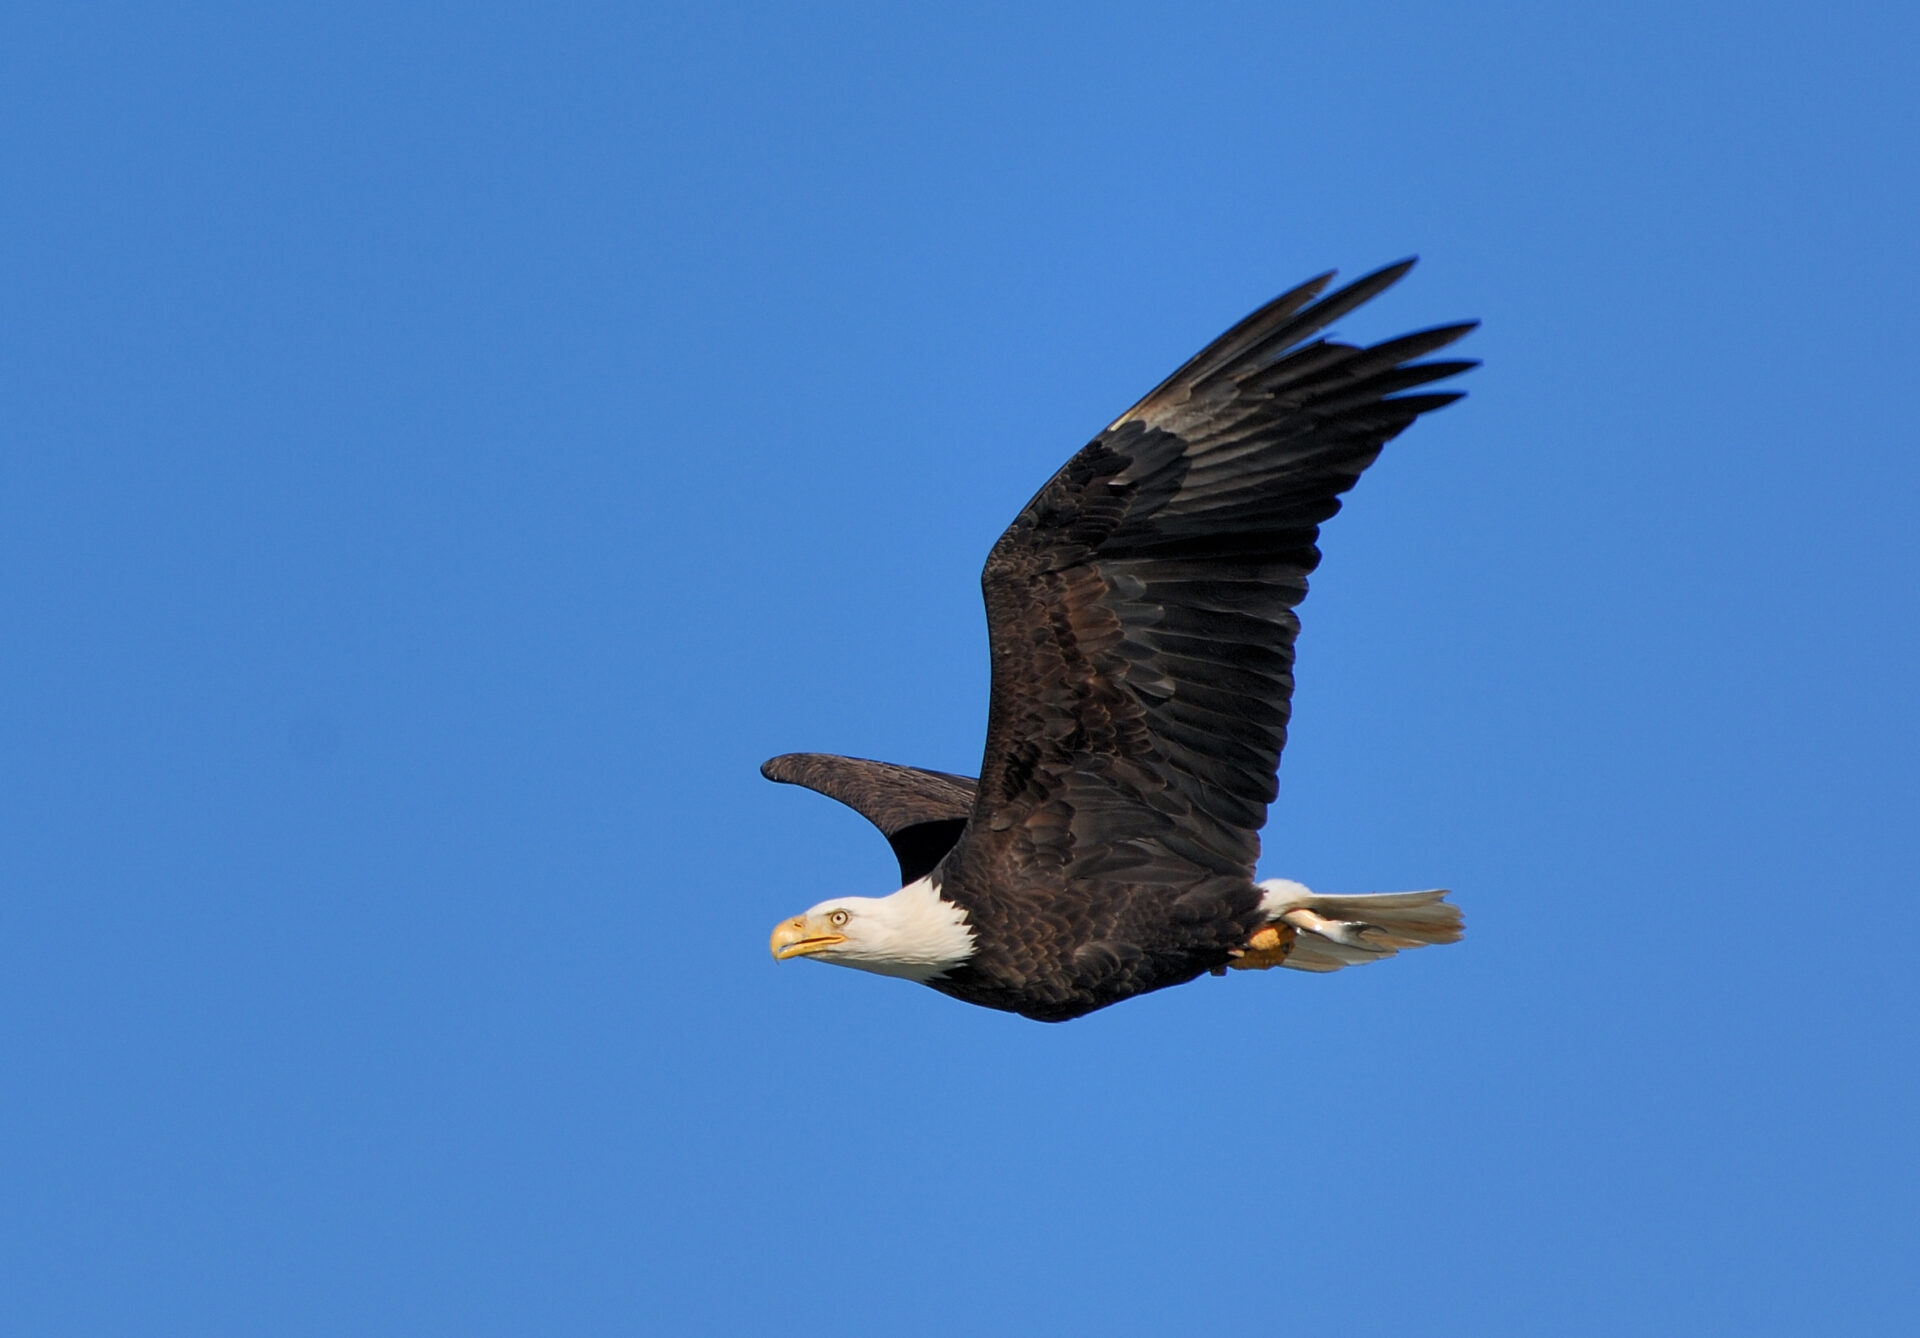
(446, 449)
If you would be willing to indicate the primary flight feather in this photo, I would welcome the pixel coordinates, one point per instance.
(1141, 625)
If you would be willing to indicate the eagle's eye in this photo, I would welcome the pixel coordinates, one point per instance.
(837, 919)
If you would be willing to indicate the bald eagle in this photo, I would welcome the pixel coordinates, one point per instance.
(1141, 625)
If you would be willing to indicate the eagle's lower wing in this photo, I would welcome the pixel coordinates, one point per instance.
(921, 813)
(1140, 609)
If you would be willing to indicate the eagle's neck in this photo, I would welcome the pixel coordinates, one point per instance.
(915, 933)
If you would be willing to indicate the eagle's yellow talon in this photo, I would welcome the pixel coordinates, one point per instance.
(1268, 947)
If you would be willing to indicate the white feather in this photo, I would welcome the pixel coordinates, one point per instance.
(1337, 931)
(914, 933)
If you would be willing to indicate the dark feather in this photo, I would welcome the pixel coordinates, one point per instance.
(921, 813)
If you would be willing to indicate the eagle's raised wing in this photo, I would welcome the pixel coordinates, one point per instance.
(920, 812)
(1140, 609)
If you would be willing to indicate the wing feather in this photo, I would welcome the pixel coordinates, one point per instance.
(920, 812)
(1140, 608)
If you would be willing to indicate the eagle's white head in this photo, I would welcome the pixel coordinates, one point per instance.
(914, 933)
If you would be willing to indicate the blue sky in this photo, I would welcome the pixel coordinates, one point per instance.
(444, 450)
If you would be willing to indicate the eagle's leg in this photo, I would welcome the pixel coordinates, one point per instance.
(1269, 947)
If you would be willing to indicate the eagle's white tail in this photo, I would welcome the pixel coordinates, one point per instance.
(1344, 931)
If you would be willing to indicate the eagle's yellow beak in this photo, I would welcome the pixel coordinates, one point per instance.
(799, 937)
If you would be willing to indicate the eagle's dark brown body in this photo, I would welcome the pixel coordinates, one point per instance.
(1101, 943)
(1140, 617)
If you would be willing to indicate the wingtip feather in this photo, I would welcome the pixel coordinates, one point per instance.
(781, 768)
